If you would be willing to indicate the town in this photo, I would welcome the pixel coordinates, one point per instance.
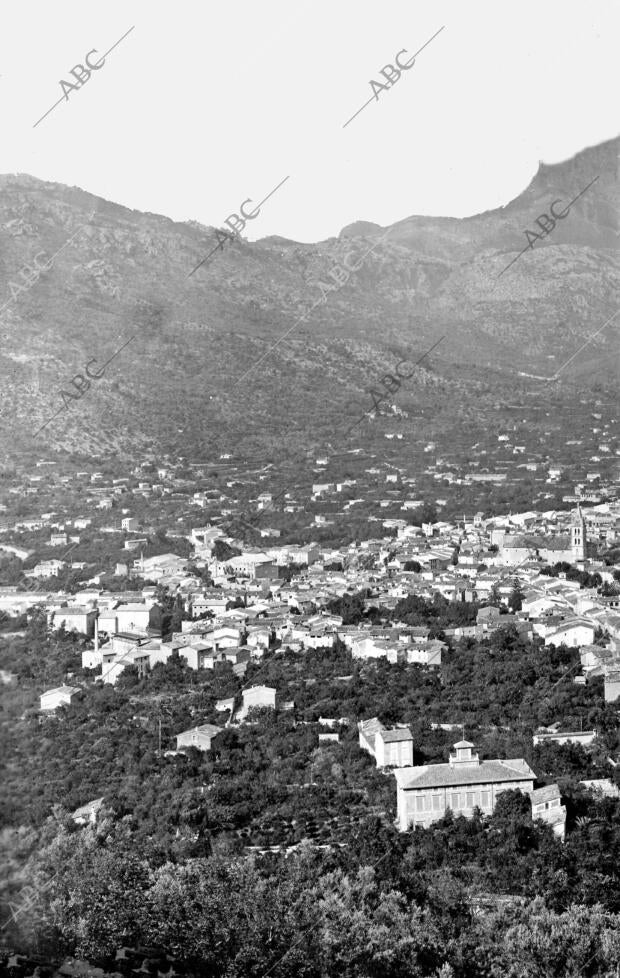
(310, 544)
(552, 577)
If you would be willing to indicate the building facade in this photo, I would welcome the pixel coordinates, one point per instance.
(390, 748)
(425, 793)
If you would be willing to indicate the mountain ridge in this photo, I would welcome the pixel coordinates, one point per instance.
(256, 316)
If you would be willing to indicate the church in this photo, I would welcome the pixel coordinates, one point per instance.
(571, 548)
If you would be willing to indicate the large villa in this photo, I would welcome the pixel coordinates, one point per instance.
(425, 793)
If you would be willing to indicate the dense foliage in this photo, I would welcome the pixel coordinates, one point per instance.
(180, 855)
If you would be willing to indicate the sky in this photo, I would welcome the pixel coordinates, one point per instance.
(205, 105)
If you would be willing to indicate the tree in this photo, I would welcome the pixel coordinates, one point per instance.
(428, 513)
(412, 565)
(515, 599)
(222, 551)
(495, 598)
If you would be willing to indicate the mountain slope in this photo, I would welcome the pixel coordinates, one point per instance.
(206, 365)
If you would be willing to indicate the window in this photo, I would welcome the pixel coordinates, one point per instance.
(428, 803)
(419, 804)
(485, 800)
(455, 801)
(470, 799)
(437, 803)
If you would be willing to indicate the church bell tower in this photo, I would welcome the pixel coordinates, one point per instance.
(578, 541)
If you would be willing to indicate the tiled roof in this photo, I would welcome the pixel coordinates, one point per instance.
(207, 729)
(445, 775)
(393, 736)
(548, 793)
(62, 689)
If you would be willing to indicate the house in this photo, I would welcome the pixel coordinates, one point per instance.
(487, 616)
(425, 793)
(367, 731)
(114, 665)
(426, 654)
(214, 601)
(48, 568)
(572, 633)
(203, 538)
(604, 785)
(547, 805)
(87, 814)
(121, 651)
(225, 705)
(325, 737)
(612, 686)
(394, 748)
(243, 565)
(259, 636)
(199, 737)
(584, 737)
(74, 619)
(132, 617)
(200, 655)
(257, 696)
(224, 637)
(390, 748)
(158, 567)
(61, 696)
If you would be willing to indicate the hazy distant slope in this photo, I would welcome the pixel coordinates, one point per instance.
(184, 377)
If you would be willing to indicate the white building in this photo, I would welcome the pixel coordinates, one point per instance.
(61, 696)
(257, 696)
(390, 748)
(73, 618)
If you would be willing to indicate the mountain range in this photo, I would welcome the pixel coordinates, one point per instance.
(269, 348)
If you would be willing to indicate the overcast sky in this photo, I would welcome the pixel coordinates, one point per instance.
(205, 104)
